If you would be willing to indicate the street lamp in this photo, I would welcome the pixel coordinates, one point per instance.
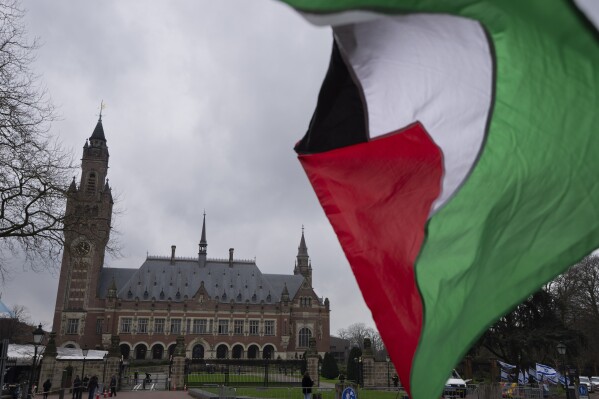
(84, 352)
(388, 375)
(105, 359)
(38, 336)
(561, 349)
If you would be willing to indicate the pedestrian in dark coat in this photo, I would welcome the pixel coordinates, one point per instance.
(307, 384)
(47, 385)
(113, 385)
(77, 387)
(92, 386)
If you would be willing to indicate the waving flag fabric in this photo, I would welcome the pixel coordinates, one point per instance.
(454, 150)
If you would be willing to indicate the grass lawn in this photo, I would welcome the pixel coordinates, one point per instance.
(296, 393)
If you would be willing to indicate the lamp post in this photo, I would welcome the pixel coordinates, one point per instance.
(388, 375)
(84, 352)
(561, 349)
(38, 336)
(105, 359)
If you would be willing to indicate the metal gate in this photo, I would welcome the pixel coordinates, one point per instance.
(244, 372)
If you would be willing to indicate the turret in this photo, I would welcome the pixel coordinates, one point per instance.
(303, 265)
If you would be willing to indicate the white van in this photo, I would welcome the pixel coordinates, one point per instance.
(455, 387)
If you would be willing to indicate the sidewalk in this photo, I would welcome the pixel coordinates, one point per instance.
(135, 395)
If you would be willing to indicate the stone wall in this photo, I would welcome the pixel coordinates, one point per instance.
(377, 373)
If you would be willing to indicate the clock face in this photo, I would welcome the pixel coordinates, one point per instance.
(82, 248)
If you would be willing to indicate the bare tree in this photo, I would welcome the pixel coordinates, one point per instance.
(355, 334)
(17, 327)
(34, 169)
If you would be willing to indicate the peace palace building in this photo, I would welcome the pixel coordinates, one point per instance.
(224, 308)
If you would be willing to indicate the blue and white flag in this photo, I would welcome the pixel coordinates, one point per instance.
(532, 373)
(546, 373)
(523, 377)
(506, 371)
(506, 366)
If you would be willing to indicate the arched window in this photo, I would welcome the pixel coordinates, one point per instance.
(222, 351)
(140, 351)
(197, 352)
(237, 352)
(157, 351)
(268, 352)
(171, 349)
(125, 350)
(253, 352)
(304, 337)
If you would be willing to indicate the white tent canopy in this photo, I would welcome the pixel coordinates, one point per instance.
(23, 354)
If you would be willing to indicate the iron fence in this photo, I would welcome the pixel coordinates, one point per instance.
(244, 372)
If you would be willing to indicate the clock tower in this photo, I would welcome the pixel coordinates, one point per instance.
(87, 230)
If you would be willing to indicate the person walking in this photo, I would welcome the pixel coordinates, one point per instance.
(47, 385)
(77, 387)
(113, 385)
(307, 384)
(92, 386)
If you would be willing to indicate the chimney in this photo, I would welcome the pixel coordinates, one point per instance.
(173, 247)
(231, 257)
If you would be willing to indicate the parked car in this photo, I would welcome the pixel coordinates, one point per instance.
(595, 383)
(455, 387)
(586, 381)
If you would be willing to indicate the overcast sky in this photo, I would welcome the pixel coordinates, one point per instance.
(205, 101)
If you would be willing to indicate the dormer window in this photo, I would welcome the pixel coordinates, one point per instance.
(129, 294)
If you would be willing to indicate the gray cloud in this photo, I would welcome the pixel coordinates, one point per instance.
(205, 101)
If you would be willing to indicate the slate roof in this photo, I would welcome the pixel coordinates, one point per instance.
(158, 279)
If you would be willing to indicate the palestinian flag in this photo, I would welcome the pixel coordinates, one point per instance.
(455, 150)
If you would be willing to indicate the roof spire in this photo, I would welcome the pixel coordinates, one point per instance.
(203, 244)
(302, 250)
(203, 239)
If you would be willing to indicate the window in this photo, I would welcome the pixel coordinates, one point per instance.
(91, 183)
(73, 326)
(199, 326)
(305, 302)
(142, 326)
(175, 326)
(269, 327)
(238, 327)
(304, 337)
(125, 324)
(223, 327)
(254, 324)
(159, 326)
(99, 326)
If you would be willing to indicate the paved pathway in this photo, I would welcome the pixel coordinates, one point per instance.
(136, 395)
